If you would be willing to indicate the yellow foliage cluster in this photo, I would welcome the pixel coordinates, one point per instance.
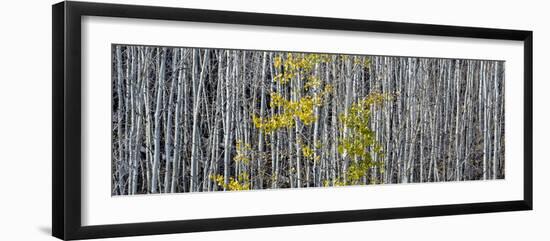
(337, 183)
(360, 141)
(362, 61)
(242, 182)
(293, 64)
(292, 111)
(242, 150)
(312, 82)
(307, 152)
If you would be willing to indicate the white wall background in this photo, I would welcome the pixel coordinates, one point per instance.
(25, 119)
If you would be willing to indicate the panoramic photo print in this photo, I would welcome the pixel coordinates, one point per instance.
(188, 119)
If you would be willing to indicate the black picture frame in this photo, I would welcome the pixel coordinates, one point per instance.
(67, 136)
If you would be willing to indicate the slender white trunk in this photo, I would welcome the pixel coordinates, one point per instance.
(196, 104)
(158, 113)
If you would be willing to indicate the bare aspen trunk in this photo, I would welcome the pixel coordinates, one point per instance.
(196, 104)
(496, 123)
(119, 120)
(136, 121)
(169, 118)
(262, 110)
(457, 134)
(158, 112)
(227, 124)
(484, 103)
(315, 134)
(179, 72)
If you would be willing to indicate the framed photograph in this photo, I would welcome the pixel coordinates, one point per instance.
(170, 120)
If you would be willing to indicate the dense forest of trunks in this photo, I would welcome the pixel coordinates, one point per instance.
(195, 120)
